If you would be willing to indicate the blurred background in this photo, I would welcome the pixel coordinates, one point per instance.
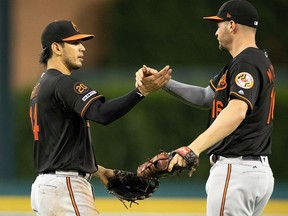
(128, 35)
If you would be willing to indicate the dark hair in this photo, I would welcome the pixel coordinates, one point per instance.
(45, 55)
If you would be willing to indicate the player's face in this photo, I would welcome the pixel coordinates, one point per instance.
(223, 36)
(73, 53)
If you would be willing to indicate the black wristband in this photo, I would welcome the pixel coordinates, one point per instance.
(139, 93)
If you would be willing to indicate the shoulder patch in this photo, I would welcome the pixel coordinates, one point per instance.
(80, 88)
(244, 80)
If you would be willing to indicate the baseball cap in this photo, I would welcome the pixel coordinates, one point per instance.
(62, 30)
(240, 11)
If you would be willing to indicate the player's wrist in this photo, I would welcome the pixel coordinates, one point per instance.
(141, 92)
(194, 149)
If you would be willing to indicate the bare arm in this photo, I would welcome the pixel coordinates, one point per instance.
(226, 122)
(103, 174)
(190, 94)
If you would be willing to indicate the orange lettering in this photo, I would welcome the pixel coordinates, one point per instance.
(272, 106)
(217, 107)
(34, 122)
(270, 73)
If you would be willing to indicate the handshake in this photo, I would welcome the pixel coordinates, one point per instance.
(149, 80)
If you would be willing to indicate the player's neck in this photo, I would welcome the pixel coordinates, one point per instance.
(241, 45)
(58, 66)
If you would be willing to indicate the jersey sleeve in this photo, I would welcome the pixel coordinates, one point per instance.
(214, 82)
(76, 95)
(245, 83)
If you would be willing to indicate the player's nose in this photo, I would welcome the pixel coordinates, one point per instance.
(82, 48)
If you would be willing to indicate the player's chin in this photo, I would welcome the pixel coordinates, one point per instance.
(222, 47)
(77, 65)
(79, 61)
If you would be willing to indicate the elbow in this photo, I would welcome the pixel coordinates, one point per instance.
(239, 119)
(240, 115)
(243, 111)
(104, 122)
(101, 120)
(239, 109)
(207, 104)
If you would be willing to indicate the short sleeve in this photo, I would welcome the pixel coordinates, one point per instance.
(76, 95)
(214, 82)
(244, 83)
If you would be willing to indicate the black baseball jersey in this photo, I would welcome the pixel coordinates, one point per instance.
(61, 134)
(247, 77)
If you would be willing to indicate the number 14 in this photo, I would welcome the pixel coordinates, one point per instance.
(34, 121)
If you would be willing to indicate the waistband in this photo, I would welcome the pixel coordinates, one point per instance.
(82, 174)
(215, 158)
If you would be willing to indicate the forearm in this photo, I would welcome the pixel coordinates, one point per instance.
(105, 113)
(99, 172)
(192, 95)
(103, 174)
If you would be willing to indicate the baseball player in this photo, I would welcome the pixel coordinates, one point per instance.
(241, 98)
(60, 110)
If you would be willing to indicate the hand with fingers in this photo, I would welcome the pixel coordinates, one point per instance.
(144, 72)
(169, 163)
(184, 158)
(149, 80)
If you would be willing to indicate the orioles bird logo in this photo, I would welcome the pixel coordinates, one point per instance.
(244, 80)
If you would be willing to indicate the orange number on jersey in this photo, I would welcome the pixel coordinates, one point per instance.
(272, 105)
(34, 121)
(217, 107)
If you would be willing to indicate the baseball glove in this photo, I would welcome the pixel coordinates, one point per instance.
(127, 186)
(158, 165)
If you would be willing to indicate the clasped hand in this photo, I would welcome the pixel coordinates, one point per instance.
(149, 80)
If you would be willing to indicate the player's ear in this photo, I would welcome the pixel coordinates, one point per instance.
(56, 48)
(232, 25)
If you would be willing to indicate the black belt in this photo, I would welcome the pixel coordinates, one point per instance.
(251, 157)
(215, 158)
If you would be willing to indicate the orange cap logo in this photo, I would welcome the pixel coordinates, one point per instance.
(75, 27)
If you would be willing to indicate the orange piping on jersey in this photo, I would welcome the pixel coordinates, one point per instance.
(225, 190)
(92, 99)
(245, 99)
(68, 182)
(214, 87)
